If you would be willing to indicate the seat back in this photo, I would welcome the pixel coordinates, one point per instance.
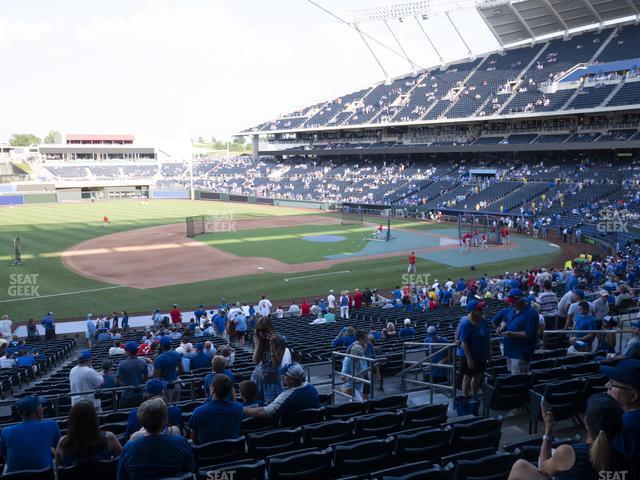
(323, 434)
(425, 416)
(427, 444)
(101, 470)
(241, 471)
(260, 445)
(493, 467)
(219, 451)
(43, 474)
(509, 392)
(344, 411)
(387, 404)
(303, 417)
(315, 465)
(378, 424)
(478, 434)
(255, 424)
(362, 457)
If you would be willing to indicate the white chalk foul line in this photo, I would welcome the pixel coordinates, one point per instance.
(317, 275)
(62, 294)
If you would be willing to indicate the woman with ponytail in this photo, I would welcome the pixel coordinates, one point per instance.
(584, 461)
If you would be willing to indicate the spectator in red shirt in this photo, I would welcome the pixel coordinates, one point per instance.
(176, 316)
(357, 299)
(305, 308)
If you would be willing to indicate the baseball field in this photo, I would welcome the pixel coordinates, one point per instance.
(73, 263)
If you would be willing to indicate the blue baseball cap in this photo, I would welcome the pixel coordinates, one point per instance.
(85, 355)
(200, 346)
(28, 405)
(155, 386)
(626, 371)
(515, 292)
(165, 341)
(475, 305)
(131, 346)
(579, 293)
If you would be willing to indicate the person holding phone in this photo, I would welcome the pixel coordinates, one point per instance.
(583, 461)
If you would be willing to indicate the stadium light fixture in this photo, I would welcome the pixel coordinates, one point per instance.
(423, 9)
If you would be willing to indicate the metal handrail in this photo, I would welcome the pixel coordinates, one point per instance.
(619, 332)
(418, 366)
(371, 361)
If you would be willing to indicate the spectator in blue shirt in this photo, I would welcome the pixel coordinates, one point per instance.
(440, 353)
(155, 455)
(220, 323)
(345, 338)
(104, 336)
(91, 330)
(241, 328)
(199, 313)
(25, 359)
(473, 340)
(201, 359)
(29, 445)
(49, 325)
(571, 282)
(155, 388)
(407, 330)
(131, 372)
(219, 418)
(583, 320)
(219, 365)
(168, 366)
(125, 321)
(624, 387)
(375, 333)
(460, 285)
(107, 374)
(519, 330)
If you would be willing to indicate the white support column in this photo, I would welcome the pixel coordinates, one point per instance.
(412, 65)
(466, 45)
(430, 41)
(384, 72)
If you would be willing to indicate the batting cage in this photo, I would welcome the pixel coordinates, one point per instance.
(378, 215)
(478, 225)
(199, 225)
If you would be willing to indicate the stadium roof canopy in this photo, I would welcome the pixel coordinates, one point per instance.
(517, 21)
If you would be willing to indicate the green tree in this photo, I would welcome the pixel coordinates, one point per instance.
(23, 139)
(51, 137)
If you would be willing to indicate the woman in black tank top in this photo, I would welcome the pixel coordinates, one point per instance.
(585, 461)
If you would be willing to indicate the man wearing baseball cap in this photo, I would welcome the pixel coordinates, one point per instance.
(473, 333)
(167, 367)
(624, 387)
(407, 330)
(132, 372)
(520, 330)
(298, 395)
(29, 445)
(83, 378)
(440, 355)
(574, 308)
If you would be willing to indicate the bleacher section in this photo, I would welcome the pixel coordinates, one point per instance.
(521, 80)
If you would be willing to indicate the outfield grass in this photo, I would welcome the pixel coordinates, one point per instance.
(48, 230)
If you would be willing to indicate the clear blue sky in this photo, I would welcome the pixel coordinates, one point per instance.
(188, 68)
